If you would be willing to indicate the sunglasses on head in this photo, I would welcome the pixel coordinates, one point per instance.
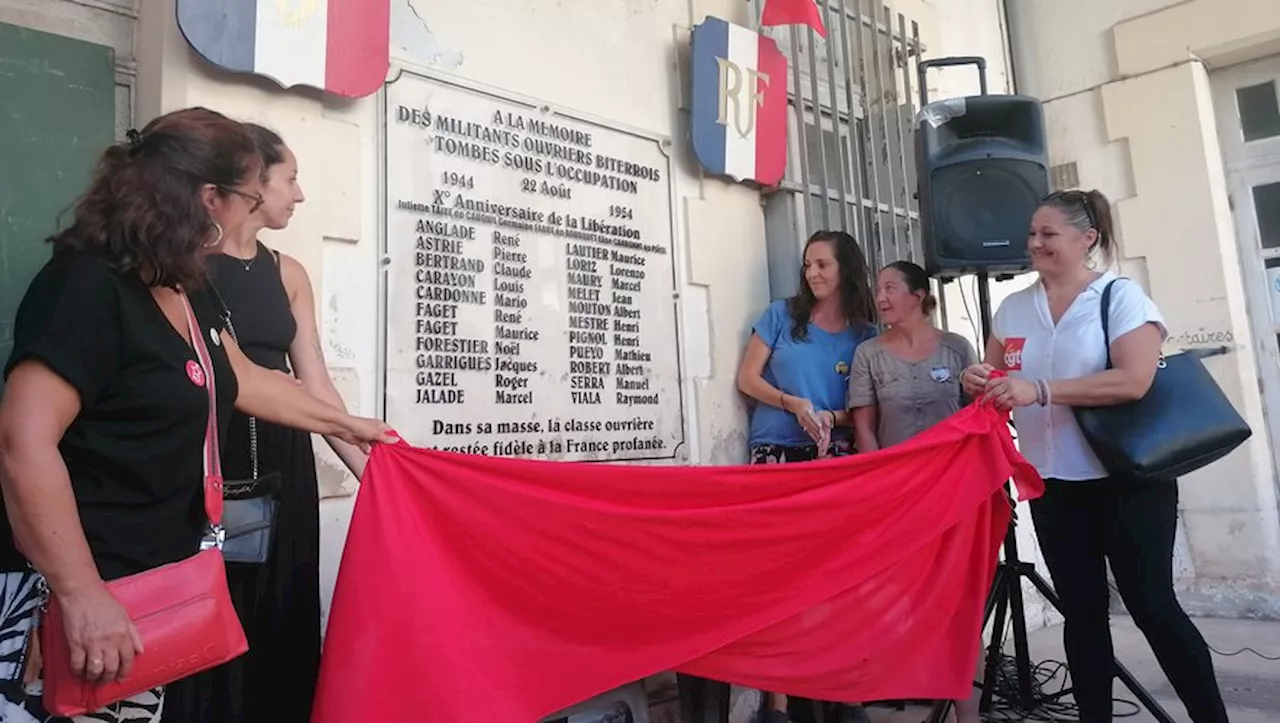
(1073, 198)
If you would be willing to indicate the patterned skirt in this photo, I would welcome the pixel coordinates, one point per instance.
(784, 454)
(19, 703)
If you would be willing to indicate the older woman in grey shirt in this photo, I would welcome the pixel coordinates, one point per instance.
(908, 379)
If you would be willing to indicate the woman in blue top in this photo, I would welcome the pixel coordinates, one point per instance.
(797, 363)
(796, 368)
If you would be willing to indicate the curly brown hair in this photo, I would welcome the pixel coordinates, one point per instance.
(143, 211)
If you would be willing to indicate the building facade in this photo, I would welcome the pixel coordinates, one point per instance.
(1168, 107)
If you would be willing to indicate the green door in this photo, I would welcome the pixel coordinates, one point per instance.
(57, 113)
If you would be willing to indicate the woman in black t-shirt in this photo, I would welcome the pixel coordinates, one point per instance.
(103, 418)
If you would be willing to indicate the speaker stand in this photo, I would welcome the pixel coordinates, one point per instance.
(1005, 602)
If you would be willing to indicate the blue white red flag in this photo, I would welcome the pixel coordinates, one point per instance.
(739, 102)
(339, 46)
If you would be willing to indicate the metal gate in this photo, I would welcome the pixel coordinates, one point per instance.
(850, 124)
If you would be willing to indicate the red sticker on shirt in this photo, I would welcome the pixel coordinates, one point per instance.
(195, 373)
(1013, 353)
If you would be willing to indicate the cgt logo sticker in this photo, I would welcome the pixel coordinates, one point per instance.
(1013, 353)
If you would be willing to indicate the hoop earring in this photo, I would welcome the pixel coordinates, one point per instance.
(218, 239)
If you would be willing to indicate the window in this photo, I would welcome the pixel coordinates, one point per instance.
(1259, 111)
(851, 118)
(1266, 206)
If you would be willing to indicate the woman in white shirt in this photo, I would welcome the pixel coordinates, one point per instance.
(1048, 338)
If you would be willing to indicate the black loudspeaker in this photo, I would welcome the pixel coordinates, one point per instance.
(983, 169)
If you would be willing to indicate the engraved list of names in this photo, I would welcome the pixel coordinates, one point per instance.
(530, 303)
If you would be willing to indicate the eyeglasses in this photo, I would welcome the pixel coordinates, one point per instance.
(1075, 197)
(256, 198)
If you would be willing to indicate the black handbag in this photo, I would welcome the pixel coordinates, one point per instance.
(250, 507)
(1183, 423)
(249, 511)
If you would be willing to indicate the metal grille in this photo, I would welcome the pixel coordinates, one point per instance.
(850, 128)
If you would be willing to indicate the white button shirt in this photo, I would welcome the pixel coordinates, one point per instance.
(1034, 348)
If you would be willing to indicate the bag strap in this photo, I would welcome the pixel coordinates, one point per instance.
(212, 457)
(1105, 312)
(253, 421)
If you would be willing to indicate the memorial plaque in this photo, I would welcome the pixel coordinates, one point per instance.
(530, 290)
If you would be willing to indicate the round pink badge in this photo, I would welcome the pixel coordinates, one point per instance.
(195, 373)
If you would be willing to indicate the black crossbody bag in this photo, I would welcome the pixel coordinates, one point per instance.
(1183, 423)
(251, 506)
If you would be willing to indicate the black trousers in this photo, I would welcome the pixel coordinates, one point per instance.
(1083, 525)
(702, 700)
(707, 701)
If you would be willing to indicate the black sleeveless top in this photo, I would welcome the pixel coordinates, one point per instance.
(254, 294)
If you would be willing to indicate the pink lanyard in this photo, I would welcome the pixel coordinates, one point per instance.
(203, 372)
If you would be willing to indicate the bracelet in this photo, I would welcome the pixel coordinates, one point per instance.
(1042, 392)
(782, 401)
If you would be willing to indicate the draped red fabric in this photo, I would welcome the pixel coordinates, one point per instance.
(793, 12)
(489, 589)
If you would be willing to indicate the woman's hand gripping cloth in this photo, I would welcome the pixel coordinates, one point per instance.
(503, 590)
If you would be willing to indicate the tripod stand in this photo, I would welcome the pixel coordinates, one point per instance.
(1006, 603)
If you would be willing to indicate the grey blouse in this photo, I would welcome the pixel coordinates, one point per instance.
(909, 397)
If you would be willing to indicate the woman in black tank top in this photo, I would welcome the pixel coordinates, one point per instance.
(270, 306)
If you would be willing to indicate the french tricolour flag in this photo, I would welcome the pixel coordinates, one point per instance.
(739, 103)
(340, 46)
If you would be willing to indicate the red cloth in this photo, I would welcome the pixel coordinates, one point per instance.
(489, 589)
(793, 12)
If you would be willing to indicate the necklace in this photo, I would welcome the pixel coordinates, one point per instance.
(246, 263)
